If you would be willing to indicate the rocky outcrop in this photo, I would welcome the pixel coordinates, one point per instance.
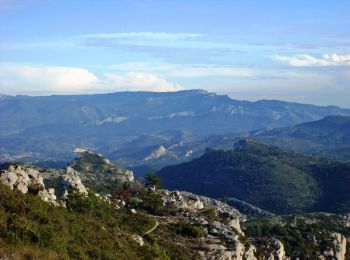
(96, 170)
(138, 240)
(68, 181)
(22, 179)
(183, 201)
(26, 179)
(48, 196)
(126, 176)
(191, 202)
(270, 248)
(276, 250)
(224, 235)
(160, 151)
(338, 251)
(221, 252)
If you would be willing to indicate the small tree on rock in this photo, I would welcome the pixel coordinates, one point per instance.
(152, 181)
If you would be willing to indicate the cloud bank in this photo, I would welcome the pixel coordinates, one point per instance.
(34, 79)
(140, 81)
(48, 78)
(308, 60)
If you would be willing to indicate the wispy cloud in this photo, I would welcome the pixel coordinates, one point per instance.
(308, 60)
(185, 71)
(143, 35)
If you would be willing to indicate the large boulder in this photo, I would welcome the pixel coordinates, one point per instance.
(22, 179)
(27, 180)
(68, 181)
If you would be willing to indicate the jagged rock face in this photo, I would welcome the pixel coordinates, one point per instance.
(28, 180)
(187, 202)
(95, 170)
(161, 150)
(25, 179)
(220, 252)
(277, 250)
(191, 202)
(128, 176)
(49, 196)
(271, 248)
(339, 248)
(22, 179)
(68, 181)
(223, 237)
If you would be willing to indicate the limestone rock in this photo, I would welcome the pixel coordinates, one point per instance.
(70, 180)
(220, 252)
(127, 176)
(26, 179)
(16, 178)
(49, 196)
(138, 240)
(339, 250)
(277, 251)
(22, 179)
(161, 150)
(183, 201)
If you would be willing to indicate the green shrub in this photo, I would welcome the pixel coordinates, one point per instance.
(189, 230)
(210, 214)
(89, 229)
(153, 204)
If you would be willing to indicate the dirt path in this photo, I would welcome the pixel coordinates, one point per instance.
(153, 228)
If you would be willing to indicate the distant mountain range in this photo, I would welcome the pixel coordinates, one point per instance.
(119, 124)
(268, 177)
(327, 137)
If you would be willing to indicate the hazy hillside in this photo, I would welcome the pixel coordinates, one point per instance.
(329, 137)
(49, 127)
(270, 178)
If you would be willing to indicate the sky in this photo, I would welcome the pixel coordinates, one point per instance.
(294, 50)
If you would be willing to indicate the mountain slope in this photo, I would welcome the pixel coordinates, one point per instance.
(137, 222)
(270, 178)
(46, 128)
(329, 136)
(98, 172)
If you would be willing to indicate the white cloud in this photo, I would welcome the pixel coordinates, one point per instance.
(34, 79)
(184, 71)
(308, 60)
(140, 81)
(28, 78)
(144, 35)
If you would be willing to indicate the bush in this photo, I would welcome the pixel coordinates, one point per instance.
(211, 215)
(151, 179)
(90, 228)
(189, 230)
(153, 204)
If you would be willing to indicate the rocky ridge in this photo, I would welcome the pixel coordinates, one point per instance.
(25, 179)
(224, 237)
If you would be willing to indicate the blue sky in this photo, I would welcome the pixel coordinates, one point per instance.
(249, 49)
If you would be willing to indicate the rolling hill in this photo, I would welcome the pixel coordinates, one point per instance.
(271, 178)
(329, 136)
